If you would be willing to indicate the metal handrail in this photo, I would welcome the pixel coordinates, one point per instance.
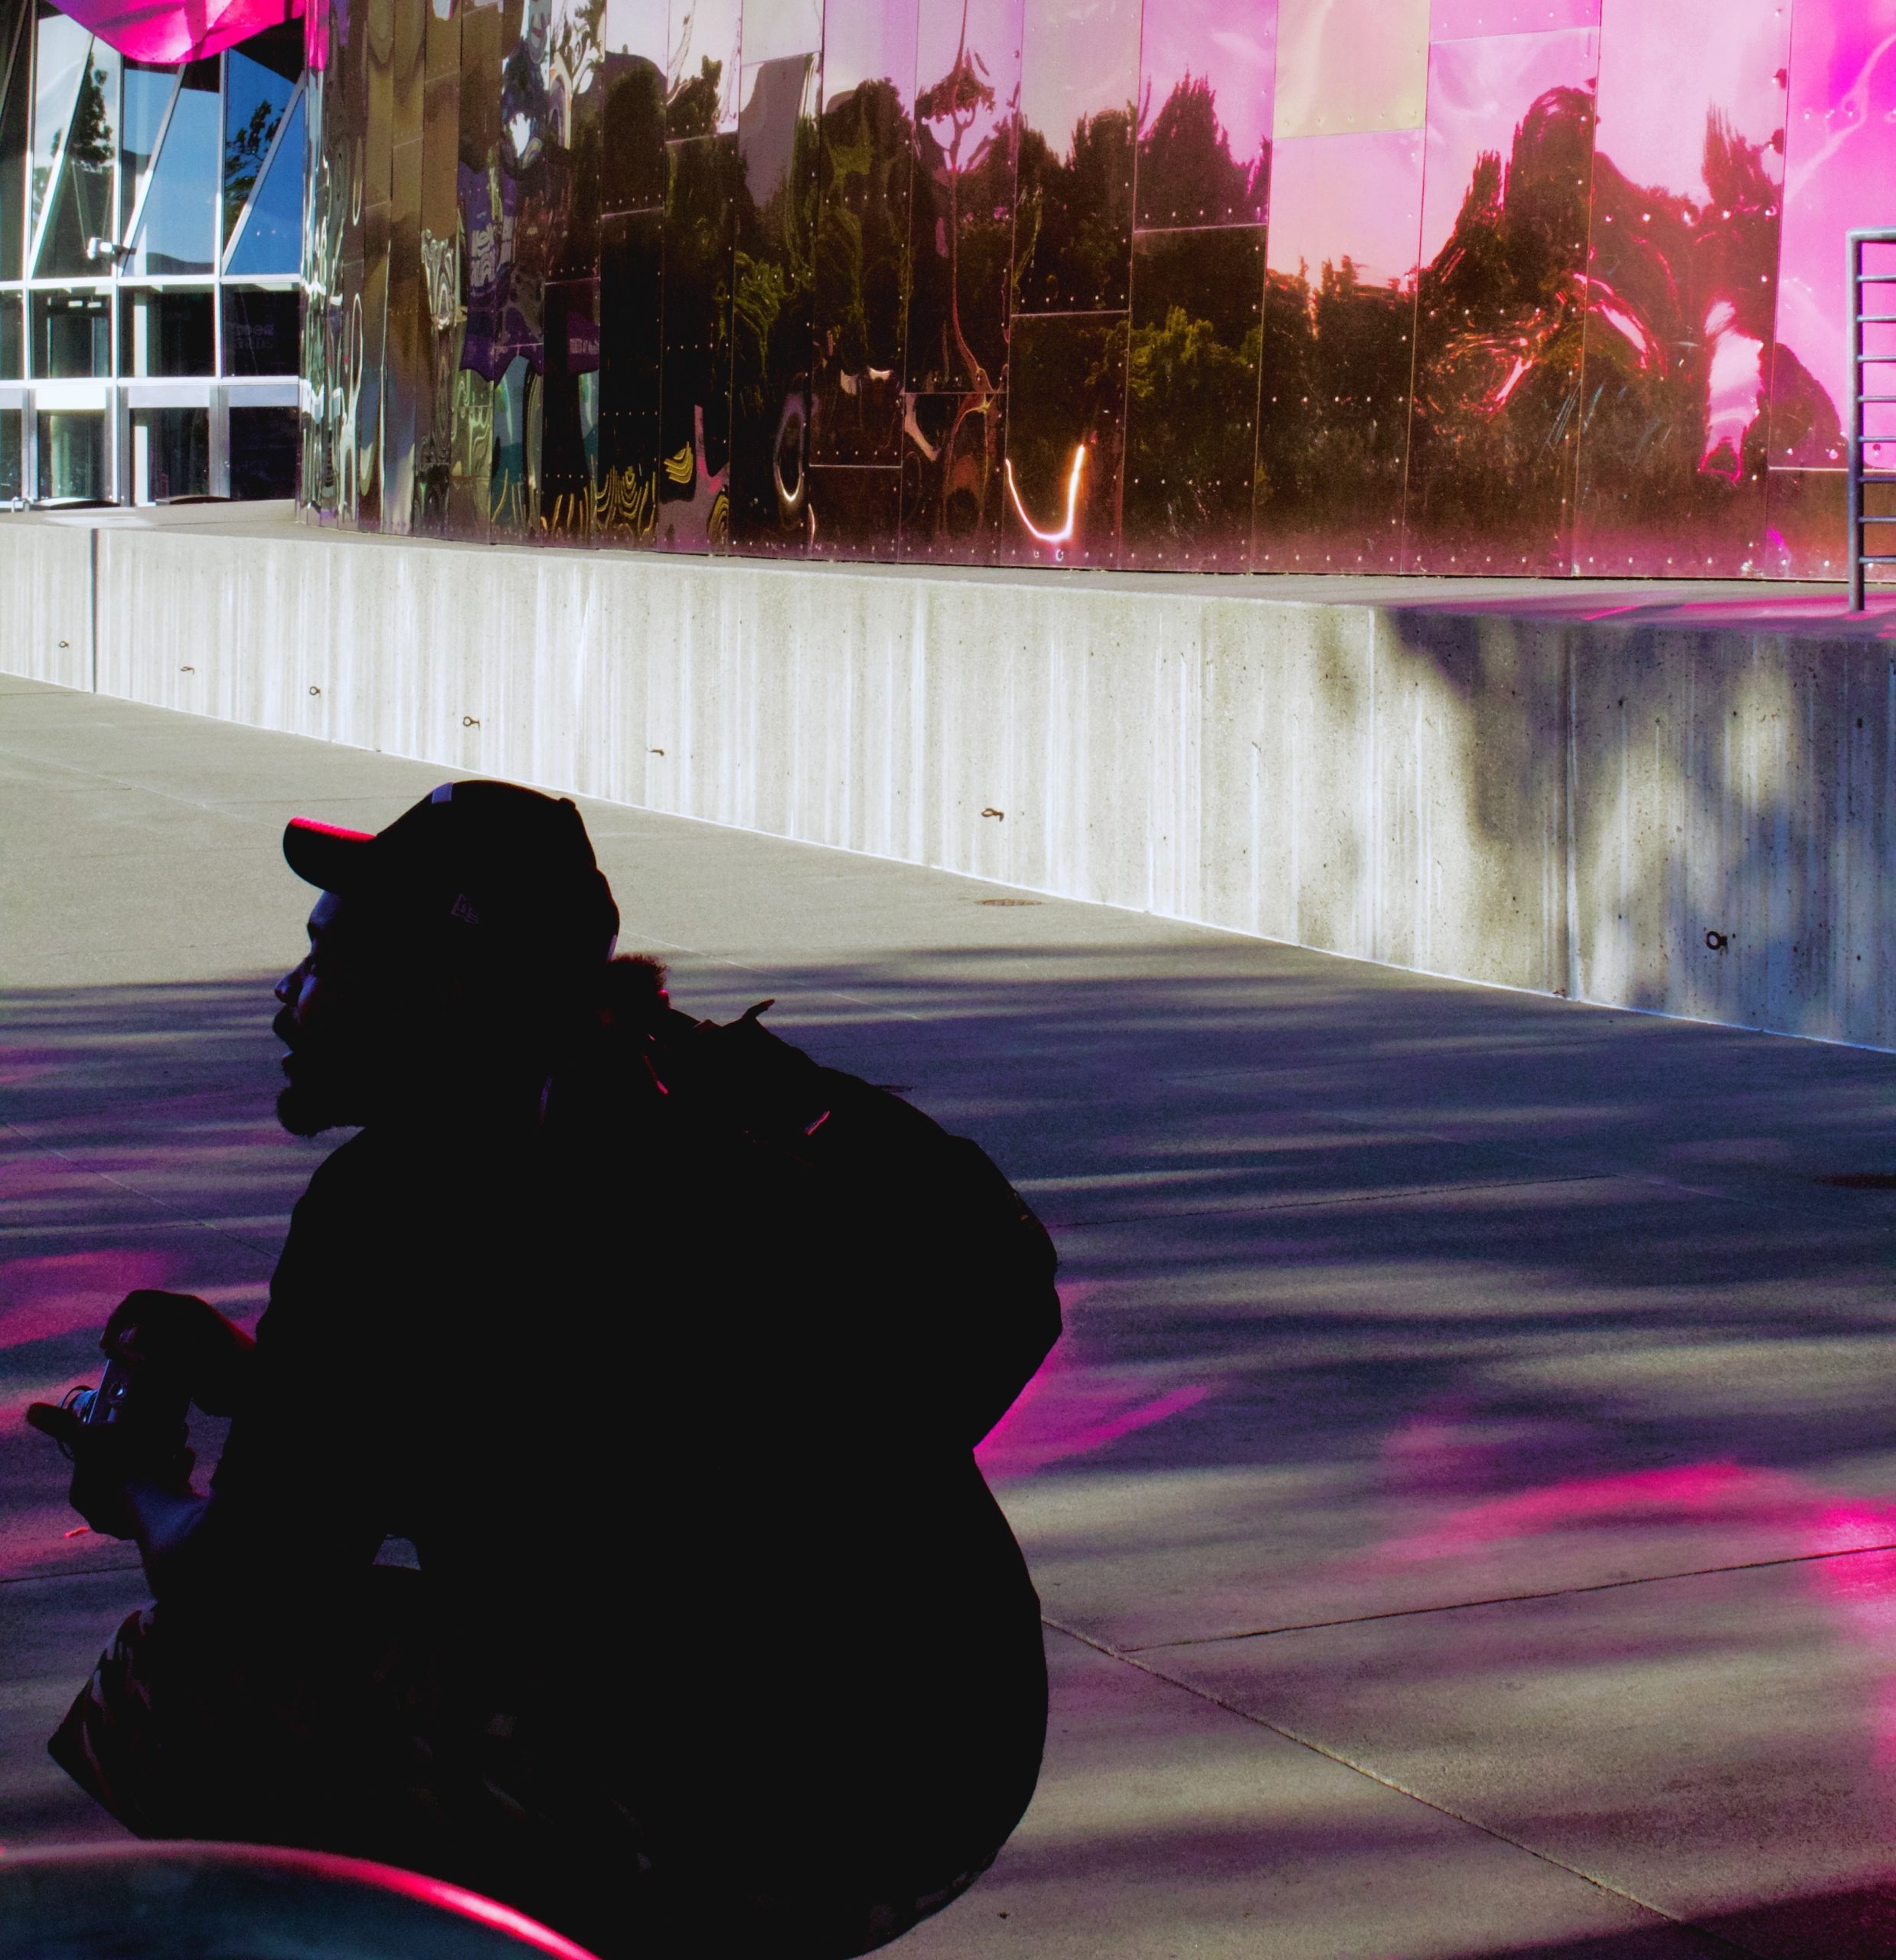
(1860, 560)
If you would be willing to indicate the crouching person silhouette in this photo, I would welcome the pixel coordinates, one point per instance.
(666, 1351)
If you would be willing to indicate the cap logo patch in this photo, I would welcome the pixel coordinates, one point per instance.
(463, 909)
(442, 793)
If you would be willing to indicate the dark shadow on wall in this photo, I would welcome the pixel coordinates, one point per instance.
(1700, 810)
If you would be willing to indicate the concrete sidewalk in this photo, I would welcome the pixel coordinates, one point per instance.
(1464, 1504)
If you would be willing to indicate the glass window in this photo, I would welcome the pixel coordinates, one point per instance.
(13, 118)
(59, 59)
(12, 339)
(82, 209)
(263, 452)
(72, 455)
(271, 240)
(12, 482)
(72, 336)
(178, 231)
(262, 332)
(171, 454)
(255, 97)
(148, 95)
(166, 333)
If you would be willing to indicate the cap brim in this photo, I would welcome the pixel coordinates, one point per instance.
(322, 855)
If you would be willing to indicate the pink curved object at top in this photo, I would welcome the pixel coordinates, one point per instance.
(178, 30)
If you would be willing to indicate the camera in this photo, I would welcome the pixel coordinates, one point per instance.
(145, 1404)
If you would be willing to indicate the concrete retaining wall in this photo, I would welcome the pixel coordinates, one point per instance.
(1563, 807)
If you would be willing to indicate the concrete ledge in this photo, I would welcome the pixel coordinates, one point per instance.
(1471, 781)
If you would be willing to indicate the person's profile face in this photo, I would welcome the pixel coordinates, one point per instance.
(338, 1020)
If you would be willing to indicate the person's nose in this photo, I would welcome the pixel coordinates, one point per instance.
(286, 987)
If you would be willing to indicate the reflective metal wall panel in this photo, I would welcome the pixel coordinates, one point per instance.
(865, 156)
(14, 112)
(1192, 398)
(1207, 72)
(368, 339)
(405, 361)
(1066, 414)
(1458, 20)
(968, 96)
(774, 28)
(441, 272)
(706, 182)
(855, 511)
(952, 481)
(1347, 66)
(1507, 170)
(1805, 523)
(771, 306)
(1440, 286)
(1079, 78)
(1687, 168)
(1839, 169)
(701, 67)
(631, 246)
(1338, 351)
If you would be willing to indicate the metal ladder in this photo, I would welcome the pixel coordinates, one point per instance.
(1861, 560)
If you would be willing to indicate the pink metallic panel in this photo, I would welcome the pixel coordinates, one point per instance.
(1507, 172)
(1687, 170)
(170, 32)
(1079, 72)
(1479, 95)
(1207, 75)
(1356, 197)
(1338, 352)
(1839, 174)
(1348, 66)
(1459, 20)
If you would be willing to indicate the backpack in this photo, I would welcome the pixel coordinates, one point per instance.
(964, 1268)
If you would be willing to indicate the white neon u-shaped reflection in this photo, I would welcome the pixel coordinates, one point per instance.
(1065, 534)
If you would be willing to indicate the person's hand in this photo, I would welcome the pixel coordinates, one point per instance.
(187, 1338)
(106, 1459)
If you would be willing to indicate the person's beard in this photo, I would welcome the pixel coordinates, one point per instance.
(322, 1091)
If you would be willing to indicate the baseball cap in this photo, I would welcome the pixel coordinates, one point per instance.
(514, 868)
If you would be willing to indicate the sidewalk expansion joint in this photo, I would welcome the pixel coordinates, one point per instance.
(1500, 1600)
(1130, 1657)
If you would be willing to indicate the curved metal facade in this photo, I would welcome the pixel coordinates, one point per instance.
(1540, 286)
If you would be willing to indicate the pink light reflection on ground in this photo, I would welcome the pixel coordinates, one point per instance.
(1071, 1409)
(1857, 1591)
(64, 1293)
(24, 1065)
